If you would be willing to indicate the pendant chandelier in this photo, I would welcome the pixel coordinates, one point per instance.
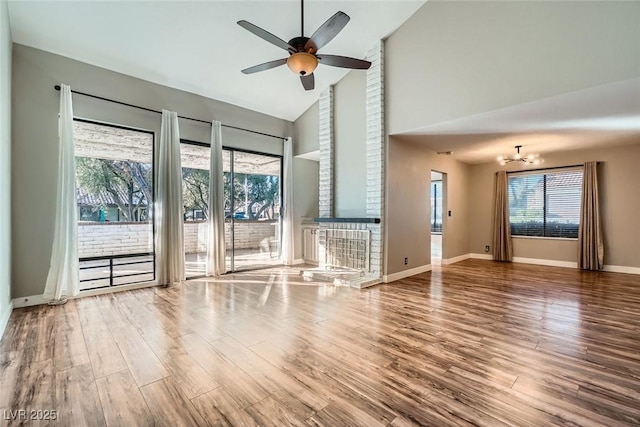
(531, 158)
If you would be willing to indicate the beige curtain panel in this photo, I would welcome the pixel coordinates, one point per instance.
(590, 242)
(502, 247)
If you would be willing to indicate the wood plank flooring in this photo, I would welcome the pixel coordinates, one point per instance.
(475, 343)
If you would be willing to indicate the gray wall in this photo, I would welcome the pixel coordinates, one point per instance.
(618, 178)
(35, 150)
(408, 232)
(305, 185)
(305, 196)
(350, 156)
(5, 164)
(452, 59)
(350, 137)
(305, 131)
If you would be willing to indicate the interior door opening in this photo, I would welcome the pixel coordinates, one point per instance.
(436, 216)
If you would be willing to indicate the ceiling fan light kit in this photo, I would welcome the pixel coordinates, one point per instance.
(302, 59)
(531, 158)
(302, 63)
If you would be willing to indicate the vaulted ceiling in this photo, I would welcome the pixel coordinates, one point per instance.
(198, 47)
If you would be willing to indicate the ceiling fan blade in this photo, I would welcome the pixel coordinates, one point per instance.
(266, 66)
(265, 35)
(344, 62)
(327, 32)
(308, 81)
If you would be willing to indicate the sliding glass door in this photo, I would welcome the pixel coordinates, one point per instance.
(114, 182)
(115, 187)
(252, 210)
(195, 160)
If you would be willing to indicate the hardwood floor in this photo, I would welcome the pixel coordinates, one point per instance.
(475, 343)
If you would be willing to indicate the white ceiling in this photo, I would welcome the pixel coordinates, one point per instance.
(600, 116)
(198, 47)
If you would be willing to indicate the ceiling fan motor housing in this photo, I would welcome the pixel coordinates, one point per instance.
(299, 43)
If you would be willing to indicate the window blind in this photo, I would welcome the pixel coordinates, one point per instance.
(545, 204)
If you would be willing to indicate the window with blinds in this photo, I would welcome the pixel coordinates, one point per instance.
(545, 204)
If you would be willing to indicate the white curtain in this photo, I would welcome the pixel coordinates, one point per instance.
(63, 280)
(169, 220)
(287, 205)
(216, 247)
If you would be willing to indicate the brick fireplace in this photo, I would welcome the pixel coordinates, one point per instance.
(354, 243)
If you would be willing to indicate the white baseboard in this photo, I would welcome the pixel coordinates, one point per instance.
(298, 261)
(29, 301)
(481, 256)
(455, 259)
(4, 318)
(406, 273)
(621, 269)
(564, 264)
(548, 262)
(536, 261)
(39, 299)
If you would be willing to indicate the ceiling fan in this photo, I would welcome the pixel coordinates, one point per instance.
(303, 51)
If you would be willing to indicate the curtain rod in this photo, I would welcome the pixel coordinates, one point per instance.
(57, 87)
(547, 169)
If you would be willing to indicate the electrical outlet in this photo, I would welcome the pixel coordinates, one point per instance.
(406, 261)
(487, 248)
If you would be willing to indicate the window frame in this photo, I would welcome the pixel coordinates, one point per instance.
(111, 258)
(543, 172)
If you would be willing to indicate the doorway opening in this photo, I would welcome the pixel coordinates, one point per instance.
(436, 190)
